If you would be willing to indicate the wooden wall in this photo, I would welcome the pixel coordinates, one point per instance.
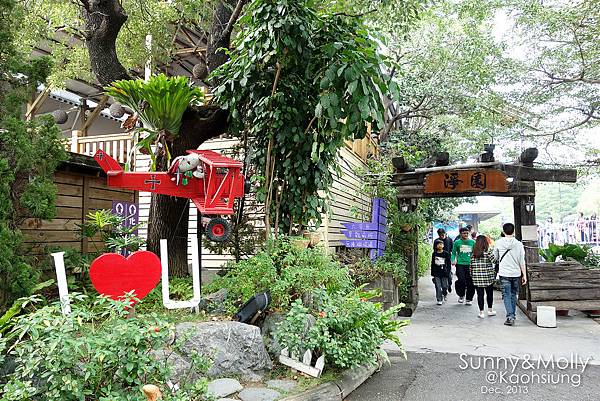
(78, 194)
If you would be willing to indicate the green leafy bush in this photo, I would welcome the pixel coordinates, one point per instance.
(286, 271)
(348, 329)
(95, 353)
(424, 258)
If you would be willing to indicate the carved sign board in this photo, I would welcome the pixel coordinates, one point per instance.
(457, 181)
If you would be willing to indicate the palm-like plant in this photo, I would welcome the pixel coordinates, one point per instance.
(159, 103)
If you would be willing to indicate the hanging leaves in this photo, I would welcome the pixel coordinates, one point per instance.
(330, 78)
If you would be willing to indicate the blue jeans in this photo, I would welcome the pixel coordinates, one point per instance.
(510, 289)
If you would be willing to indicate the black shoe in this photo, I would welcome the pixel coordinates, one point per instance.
(509, 322)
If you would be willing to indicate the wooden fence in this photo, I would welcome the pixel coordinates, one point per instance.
(78, 194)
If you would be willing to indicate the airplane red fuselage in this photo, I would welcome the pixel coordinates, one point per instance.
(213, 194)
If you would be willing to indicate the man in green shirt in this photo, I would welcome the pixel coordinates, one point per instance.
(461, 258)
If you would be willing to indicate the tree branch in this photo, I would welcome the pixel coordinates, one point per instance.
(234, 17)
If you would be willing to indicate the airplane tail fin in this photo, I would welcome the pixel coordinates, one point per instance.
(110, 166)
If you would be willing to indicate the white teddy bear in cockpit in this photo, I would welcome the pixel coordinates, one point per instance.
(184, 167)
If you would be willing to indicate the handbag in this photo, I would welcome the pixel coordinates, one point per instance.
(497, 264)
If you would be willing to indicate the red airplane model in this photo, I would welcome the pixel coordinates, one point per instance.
(213, 194)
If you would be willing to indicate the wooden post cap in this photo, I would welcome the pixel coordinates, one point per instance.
(151, 392)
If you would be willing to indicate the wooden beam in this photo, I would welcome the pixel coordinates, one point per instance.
(190, 50)
(519, 172)
(515, 188)
(36, 104)
(90, 119)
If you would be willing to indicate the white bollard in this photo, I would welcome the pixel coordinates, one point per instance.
(61, 280)
(546, 316)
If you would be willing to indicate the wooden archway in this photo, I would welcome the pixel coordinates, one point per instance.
(486, 177)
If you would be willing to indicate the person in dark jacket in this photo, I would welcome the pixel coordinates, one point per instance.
(440, 271)
(443, 236)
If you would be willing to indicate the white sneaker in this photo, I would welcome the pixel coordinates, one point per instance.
(481, 315)
(445, 299)
(439, 302)
(469, 303)
(461, 299)
(491, 313)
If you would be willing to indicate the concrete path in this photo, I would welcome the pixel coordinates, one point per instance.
(439, 377)
(455, 328)
(453, 355)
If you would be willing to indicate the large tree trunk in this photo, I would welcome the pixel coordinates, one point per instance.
(103, 20)
(168, 214)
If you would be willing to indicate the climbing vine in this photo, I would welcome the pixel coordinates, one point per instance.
(300, 81)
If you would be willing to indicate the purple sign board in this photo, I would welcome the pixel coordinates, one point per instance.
(373, 234)
(129, 211)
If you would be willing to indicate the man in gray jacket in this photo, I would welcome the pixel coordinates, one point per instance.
(511, 254)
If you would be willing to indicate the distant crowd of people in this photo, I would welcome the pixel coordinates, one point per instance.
(585, 230)
(477, 260)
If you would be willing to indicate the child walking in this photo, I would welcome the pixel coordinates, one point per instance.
(483, 274)
(440, 271)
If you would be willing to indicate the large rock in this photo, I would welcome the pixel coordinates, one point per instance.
(180, 366)
(234, 348)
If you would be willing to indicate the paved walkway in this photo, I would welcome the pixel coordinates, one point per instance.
(447, 344)
(455, 328)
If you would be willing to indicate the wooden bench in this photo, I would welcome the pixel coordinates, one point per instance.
(564, 285)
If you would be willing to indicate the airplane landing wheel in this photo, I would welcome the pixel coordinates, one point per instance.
(218, 229)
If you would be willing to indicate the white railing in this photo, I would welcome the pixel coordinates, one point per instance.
(586, 232)
(118, 146)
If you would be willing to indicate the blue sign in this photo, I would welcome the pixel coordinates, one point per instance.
(373, 234)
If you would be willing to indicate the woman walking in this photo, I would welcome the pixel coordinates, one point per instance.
(483, 274)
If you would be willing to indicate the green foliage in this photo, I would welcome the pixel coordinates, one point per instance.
(575, 252)
(285, 270)
(562, 50)
(424, 258)
(159, 103)
(54, 21)
(111, 230)
(295, 72)
(95, 353)
(451, 70)
(348, 328)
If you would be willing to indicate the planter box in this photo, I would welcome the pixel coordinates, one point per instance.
(389, 291)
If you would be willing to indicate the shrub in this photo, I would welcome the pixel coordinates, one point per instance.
(348, 329)
(284, 270)
(95, 353)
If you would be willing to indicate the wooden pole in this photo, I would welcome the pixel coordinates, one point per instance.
(523, 217)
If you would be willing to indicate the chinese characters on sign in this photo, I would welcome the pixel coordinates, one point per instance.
(372, 235)
(129, 212)
(457, 181)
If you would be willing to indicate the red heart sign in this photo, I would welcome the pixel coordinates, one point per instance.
(113, 275)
